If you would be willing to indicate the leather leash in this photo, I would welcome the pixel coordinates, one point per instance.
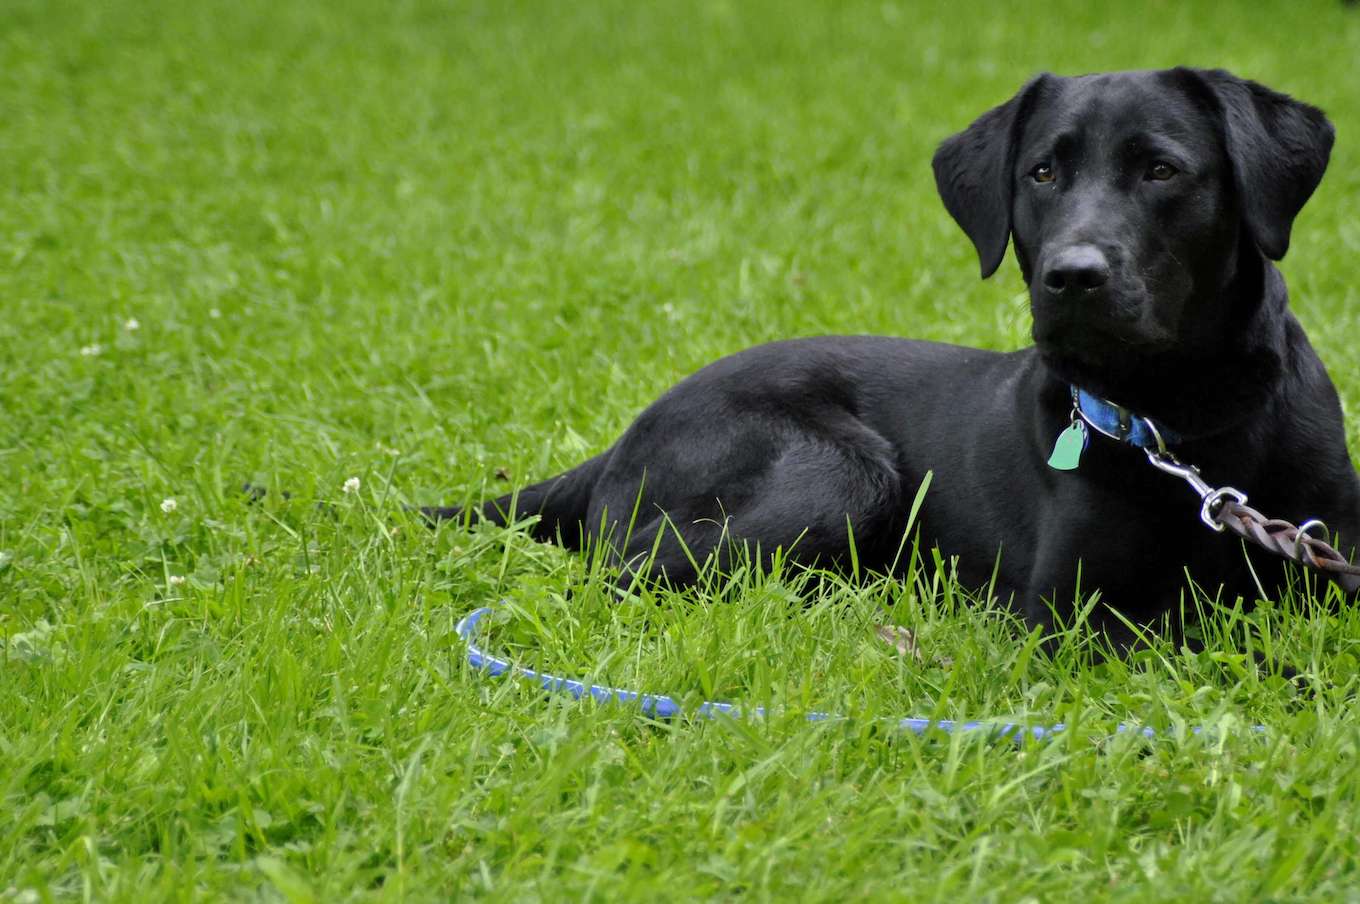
(1221, 508)
(1225, 508)
(1294, 543)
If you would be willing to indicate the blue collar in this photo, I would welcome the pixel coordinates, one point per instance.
(1120, 423)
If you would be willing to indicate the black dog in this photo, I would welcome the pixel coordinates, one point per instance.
(1145, 208)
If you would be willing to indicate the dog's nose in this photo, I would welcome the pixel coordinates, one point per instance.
(1075, 270)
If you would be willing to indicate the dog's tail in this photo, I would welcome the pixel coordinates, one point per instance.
(560, 502)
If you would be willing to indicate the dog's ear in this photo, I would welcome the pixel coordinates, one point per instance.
(974, 178)
(1278, 148)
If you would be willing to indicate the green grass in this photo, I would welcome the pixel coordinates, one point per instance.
(416, 244)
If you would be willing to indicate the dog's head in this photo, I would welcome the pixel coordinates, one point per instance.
(1135, 200)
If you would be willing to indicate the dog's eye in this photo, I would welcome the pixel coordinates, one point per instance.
(1042, 173)
(1161, 171)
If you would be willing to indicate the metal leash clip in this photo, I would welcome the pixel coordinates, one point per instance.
(1298, 544)
(1211, 498)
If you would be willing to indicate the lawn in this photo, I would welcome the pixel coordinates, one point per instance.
(442, 249)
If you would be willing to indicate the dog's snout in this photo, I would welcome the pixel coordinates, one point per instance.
(1076, 270)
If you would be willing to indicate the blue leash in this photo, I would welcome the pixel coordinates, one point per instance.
(662, 707)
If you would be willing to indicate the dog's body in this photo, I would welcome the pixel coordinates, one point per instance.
(1145, 209)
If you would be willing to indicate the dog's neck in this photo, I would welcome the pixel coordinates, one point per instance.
(1211, 392)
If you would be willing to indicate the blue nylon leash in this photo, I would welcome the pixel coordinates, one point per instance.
(662, 707)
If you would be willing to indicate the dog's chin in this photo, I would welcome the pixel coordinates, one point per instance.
(1100, 360)
(1125, 319)
(1094, 376)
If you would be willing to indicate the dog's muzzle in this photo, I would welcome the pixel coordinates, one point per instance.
(1075, 272)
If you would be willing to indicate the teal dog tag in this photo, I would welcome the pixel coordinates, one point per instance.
(1067, 450)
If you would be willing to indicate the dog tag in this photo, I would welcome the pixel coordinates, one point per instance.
(1067, 450)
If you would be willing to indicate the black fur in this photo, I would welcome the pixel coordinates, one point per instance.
(1148, 255)
(973, 171)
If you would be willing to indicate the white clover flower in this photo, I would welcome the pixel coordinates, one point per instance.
(176, 579)
(351, 485)
(214, 313)
(89, 351)
(169, 505)
(131, 325)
